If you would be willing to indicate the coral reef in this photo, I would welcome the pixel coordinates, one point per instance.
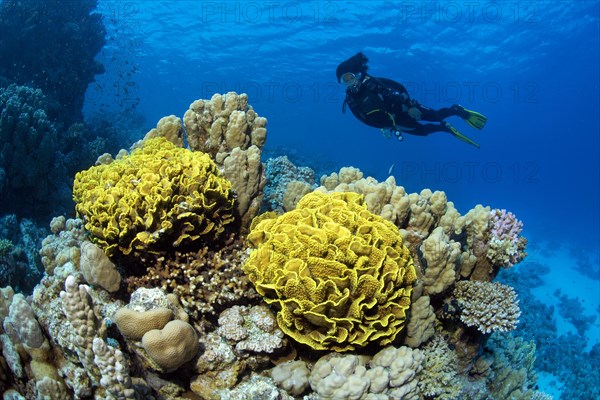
(338, 274)
(565, 356)
(447, 248)
(228, 128)
(33, 182)
(160, 195)
(572, 310)
(53, 49)
(20, 263)
(38, 158)
(155, 293)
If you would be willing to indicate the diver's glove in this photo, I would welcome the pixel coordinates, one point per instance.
(414, 113)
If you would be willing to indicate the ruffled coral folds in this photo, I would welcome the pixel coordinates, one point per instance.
(339, 275)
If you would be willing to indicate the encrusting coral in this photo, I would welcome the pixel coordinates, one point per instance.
(286, 184)
(160, 195)
(338, 275)
(245, 339)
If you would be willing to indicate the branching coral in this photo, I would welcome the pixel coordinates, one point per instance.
(114, 370)
(488, 306)
(338, 274)
(511, 374)
(439, 378)
(160, 195)
(205, 282)
(506, 246)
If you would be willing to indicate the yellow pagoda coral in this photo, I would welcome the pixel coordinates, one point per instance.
(338, 274)
(159, 196)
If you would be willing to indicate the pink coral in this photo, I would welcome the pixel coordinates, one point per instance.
(506, 246)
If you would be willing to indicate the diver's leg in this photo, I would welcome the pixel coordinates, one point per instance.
(422, 129)
(429, 114)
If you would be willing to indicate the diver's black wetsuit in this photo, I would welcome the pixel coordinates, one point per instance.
(383, 103)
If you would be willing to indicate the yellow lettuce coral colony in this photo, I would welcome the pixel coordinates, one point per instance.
(338, 274)
(160, 195)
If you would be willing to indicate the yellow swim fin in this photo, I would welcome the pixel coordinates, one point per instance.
(473, 118)
(454, 132)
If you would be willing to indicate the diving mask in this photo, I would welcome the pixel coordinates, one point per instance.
(350, 79)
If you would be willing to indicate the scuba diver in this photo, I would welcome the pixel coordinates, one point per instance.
(385, 104)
